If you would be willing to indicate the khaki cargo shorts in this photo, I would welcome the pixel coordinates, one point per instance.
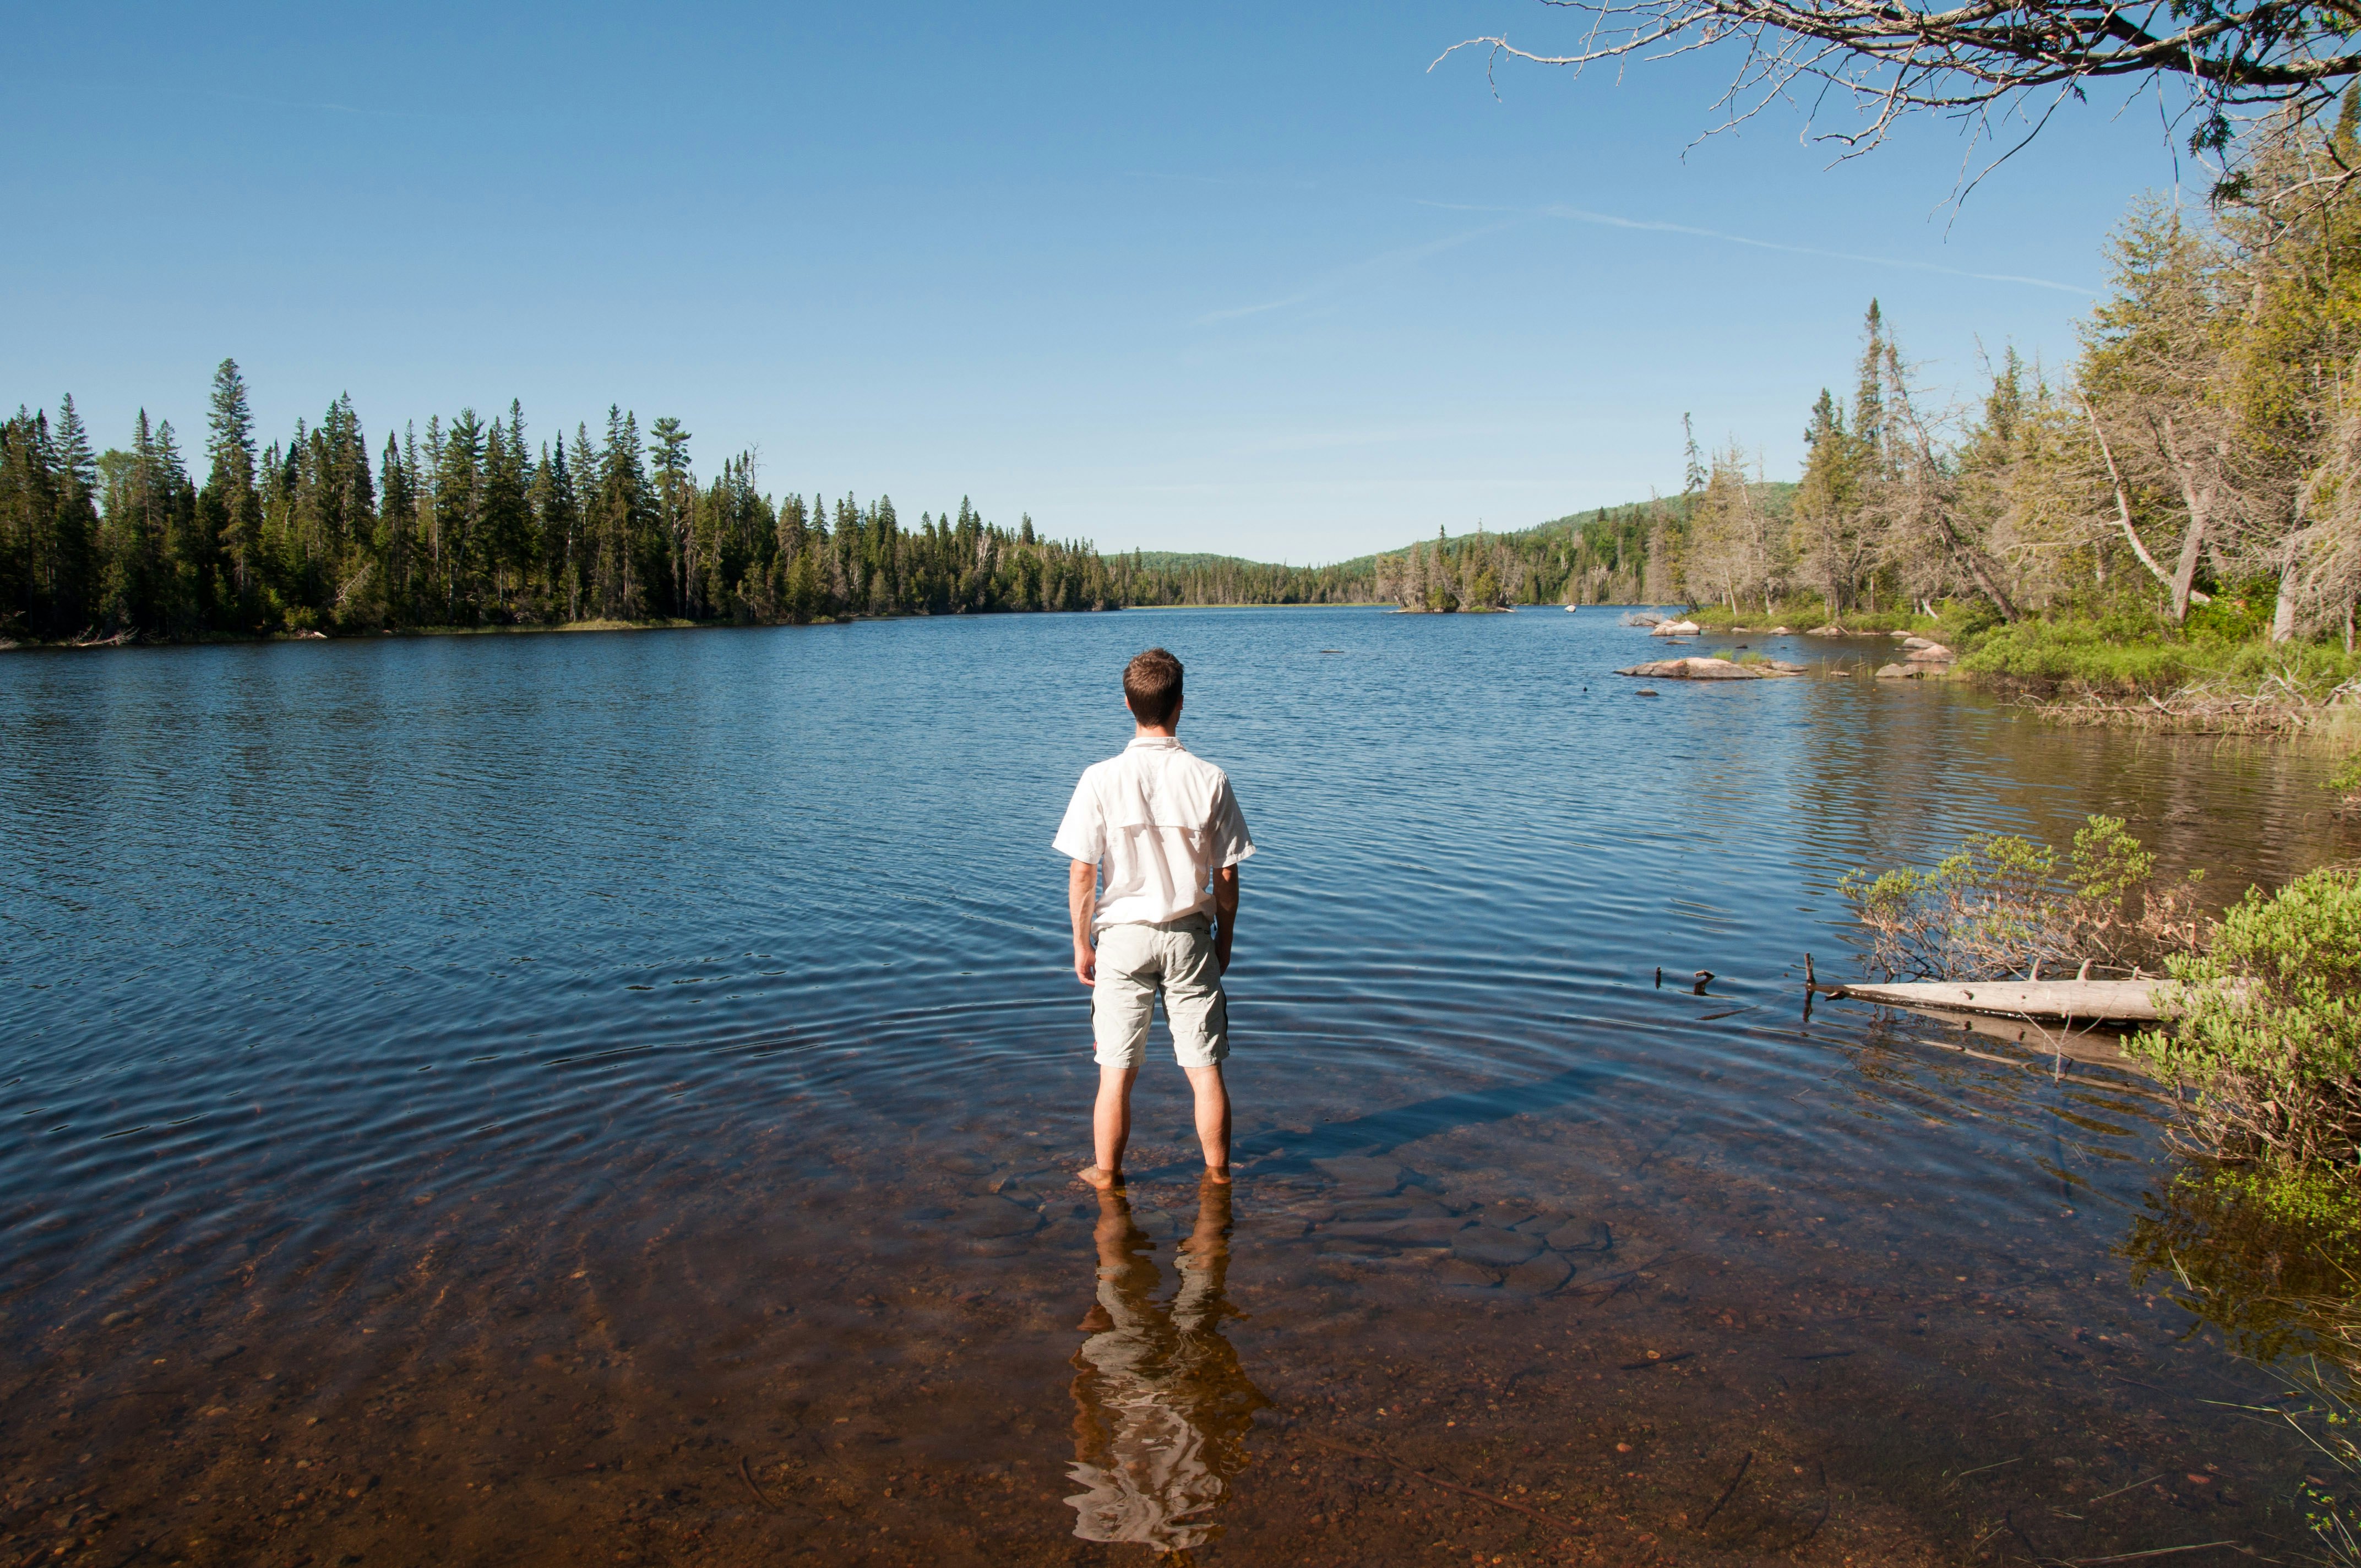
(1134, 963)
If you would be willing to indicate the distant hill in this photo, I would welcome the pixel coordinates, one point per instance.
(1599, 526)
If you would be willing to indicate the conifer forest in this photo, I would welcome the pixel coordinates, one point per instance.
(473, 522)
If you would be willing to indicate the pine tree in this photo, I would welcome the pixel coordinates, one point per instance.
(397, 529)
(675, 496)
(230, 507)
(507, 523)
(27, 519)
(458, 514)
(76, 526)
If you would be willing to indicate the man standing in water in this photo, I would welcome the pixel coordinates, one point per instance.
(1166, 828)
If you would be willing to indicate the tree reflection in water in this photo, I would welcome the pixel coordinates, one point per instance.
(2274, 1263)
(1162, 1407)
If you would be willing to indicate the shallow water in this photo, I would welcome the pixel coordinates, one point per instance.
(612, 1097)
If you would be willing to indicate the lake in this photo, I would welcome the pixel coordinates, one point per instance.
(613, 1097)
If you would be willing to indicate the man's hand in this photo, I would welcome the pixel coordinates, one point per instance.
(1225, 904)
(1082, 908)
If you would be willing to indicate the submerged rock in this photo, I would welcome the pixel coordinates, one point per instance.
(1488, 1247)
(1582, 1236)
(1460, 1271)
(1540, 1275)
(994, 1218)
(1362, 1174)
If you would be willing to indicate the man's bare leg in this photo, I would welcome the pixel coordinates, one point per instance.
(1213, 1118)
(1110, 1127)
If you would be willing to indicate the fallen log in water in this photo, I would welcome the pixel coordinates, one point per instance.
(2092, 1000)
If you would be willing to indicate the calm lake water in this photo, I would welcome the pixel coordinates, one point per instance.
(613, 1097)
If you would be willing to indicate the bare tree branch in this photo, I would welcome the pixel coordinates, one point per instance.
(2233, 59)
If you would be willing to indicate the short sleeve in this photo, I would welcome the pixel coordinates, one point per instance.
(1083, 834)
(1230, 842)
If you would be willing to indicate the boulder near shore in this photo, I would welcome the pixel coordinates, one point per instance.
(1708, 670)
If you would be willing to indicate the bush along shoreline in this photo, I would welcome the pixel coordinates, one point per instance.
(2262, 1001)
(2258, 1230)
(2214, 676)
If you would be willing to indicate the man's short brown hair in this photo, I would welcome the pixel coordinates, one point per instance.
(1151, 687)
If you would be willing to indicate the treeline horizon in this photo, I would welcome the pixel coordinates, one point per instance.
(471, 523)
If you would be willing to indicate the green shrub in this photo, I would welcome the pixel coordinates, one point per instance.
(2131, 652)
(2002, 904)
(2080, 652)
(2268, 1026)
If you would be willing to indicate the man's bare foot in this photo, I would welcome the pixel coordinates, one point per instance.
(1218, 1174)
(1105, 1181)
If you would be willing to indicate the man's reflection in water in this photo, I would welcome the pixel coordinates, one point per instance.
(1161, 1407)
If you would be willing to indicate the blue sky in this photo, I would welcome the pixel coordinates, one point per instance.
(1224, 277)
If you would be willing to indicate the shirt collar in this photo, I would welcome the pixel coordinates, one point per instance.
(1160, 742)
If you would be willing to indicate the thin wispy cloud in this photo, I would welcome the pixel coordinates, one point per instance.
(304, 106)
(1343, 275)
(1228, 182)
(1650, 226)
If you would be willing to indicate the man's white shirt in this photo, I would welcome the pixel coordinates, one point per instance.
(1160, 822)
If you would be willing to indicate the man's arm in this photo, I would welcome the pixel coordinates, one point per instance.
(1226, 905)
(1083, 907)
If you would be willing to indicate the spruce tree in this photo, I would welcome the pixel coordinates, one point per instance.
(76, 526)
(397, 529)
(675, 503)
(230, 507)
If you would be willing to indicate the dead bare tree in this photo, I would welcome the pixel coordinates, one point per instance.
(2319, 559)
(2155, 378)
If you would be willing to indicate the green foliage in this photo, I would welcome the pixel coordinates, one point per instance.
(2132, 654)
(2311, 1208)
(2346, 780)
(2240, 613)
(2266, 1026)
(2267, 1256)
(2002, 904)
